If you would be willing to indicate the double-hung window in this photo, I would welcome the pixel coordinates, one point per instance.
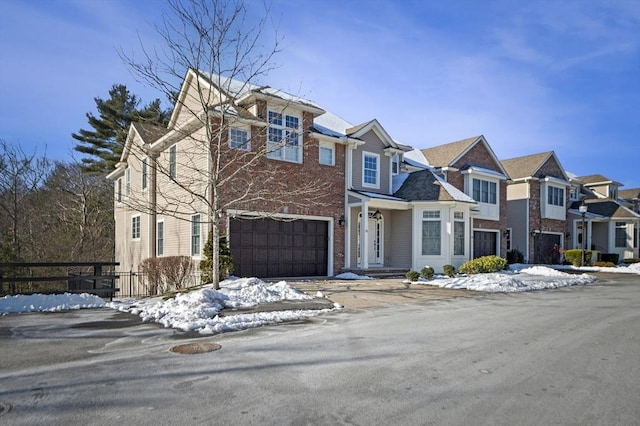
(370, 170)
(239, 139)
(284, 141)
(127, 182)
(485, 191)
(195, 235)
(555, 196)
(160, 238)
(120, 190)
(395, 164)
(135, 227)
(172, 162)
(144, 173)
(458, 233)
(326, 151)
(621, 234)
(431, 233)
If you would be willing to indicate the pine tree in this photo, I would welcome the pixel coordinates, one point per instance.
(103, 145)
(225, 263)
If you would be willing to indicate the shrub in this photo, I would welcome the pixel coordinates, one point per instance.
(605, 264)
(225, 267)
(166, 273)
(631, 260)
(449, 270)
(575, 256)
(427, 272)
(515, 256)
(483, 265)
(610, 257)
(412, 276)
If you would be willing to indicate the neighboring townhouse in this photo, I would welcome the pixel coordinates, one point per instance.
(537, 206)
(399, 215)
(282, 213)
(610, 226)
(471, 166)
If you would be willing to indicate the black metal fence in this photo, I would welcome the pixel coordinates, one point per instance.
(137, 284)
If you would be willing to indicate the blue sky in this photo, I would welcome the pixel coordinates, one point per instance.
(530, 76)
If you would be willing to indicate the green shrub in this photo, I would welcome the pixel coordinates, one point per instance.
(483, 265)
(427, 272)
(605, 264)
(631, 260)
(412, 276)
(225, 266)
(449, 270)
(515, 256)
(575, 256)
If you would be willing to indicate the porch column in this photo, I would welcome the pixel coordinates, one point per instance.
(364, 240)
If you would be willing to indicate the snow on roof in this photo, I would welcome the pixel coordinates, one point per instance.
(485, 171)
(455, 192)
(416, 158)
(397, 181)
(331, 125)
(380, 196)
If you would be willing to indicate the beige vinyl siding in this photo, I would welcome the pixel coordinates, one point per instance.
(518, 191)
(397, 240)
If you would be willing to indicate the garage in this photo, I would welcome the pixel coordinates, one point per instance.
(546, 248)
(268, 248)
(484, 243)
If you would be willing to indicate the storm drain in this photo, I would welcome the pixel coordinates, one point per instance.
(5, 407)
(195, 348)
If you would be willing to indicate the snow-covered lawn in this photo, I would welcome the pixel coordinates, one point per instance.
(202, 310)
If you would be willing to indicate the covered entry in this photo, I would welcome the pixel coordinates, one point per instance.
(268, 248)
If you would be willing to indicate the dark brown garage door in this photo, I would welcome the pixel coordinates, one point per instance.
(267, 248)
(484, 243)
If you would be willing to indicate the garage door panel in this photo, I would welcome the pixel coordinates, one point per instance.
(270, 248)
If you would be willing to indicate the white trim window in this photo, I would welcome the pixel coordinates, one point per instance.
(458, 234)
(173, 159)
(145, 173)
(239, 139)
(395, 164)
(119, 191)
(370, 170)
(485, 191)
(127, 182)
(621, 235)
(574, 193)
(431, 233)
(326, 153)
(284, 141)
(160, 238)
(555, 196)
(195, 235)
(135, 227)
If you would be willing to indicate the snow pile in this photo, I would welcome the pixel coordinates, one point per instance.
(351, 276)
(525, 279)
(48, 302)
(202, 310)
(633, 268)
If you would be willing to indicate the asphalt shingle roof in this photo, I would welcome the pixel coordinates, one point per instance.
(443, 155)
(521, 167)
(150, 132)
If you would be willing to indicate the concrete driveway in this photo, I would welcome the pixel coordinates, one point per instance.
(566, 356)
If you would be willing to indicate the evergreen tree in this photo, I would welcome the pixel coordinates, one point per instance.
(225, 263)
(103, 145)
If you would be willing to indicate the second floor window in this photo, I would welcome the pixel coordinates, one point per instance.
(144, 173)
(326, 153)
(135, 227)
(395, 164)
(370, 169)
(239, 139)
(555, 196)
(485, 191)
(195, 235)
(127, 182)
(172, 162)
(120, 190)
(160, 239)
(284, 141)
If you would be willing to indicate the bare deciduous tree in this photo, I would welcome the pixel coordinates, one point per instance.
(227, 52)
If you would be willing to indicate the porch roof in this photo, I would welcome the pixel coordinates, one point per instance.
(605, 208)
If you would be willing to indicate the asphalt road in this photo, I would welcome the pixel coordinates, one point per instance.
(557, 357)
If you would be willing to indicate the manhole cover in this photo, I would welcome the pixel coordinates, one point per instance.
(195, 348)
(5, 407)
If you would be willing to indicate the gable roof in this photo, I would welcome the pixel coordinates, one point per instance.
(529, 165)
(592, 180)
(423, 185)
(448, 154)
(374, 125)
(606, 208)
(629, 194)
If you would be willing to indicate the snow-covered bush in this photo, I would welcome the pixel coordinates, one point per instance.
(483, 265)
